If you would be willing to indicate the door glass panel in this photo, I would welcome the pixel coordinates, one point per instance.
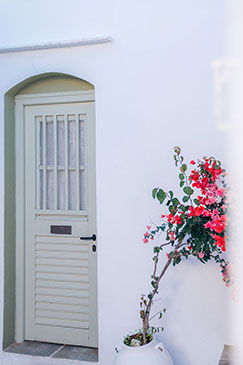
(71, 140)
(72, 182)
(41, 143)
(50, 189)
(60, 141)
(82, 190)
(49, 141)
(81, 140)
(61, 189)
(41, 189)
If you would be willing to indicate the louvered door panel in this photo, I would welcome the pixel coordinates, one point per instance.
(60, 268)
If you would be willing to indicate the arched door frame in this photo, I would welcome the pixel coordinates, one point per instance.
(13, 275)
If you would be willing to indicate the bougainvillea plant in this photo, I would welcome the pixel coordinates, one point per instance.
(194, 225)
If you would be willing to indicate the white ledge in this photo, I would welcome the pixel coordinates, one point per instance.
(62, 44)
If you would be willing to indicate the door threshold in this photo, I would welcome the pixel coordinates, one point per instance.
(53, 350)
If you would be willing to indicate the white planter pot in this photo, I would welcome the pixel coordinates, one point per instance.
(154, 353)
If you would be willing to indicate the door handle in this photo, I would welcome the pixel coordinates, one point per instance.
(92, 238)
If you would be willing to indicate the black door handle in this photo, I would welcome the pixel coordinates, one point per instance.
(92, 238)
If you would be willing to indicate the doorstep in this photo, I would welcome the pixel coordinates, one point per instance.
(53, 350)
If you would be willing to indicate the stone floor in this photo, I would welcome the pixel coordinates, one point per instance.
(54, 350)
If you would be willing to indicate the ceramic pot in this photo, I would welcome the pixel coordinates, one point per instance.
(154, 353)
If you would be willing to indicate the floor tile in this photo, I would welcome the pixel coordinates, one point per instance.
(77, 353)
(33, 348)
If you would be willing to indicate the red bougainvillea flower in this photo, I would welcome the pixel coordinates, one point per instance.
(219, 241)
(196, 223)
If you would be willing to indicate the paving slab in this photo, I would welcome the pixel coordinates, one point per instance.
(77, 353)
(33, 348)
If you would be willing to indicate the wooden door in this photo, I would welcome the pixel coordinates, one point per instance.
(60, 268)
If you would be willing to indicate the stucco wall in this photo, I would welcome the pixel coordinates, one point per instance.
(153, 88)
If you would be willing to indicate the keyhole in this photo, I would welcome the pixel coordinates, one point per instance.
(94, 248)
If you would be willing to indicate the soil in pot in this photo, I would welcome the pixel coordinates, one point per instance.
(137, 339)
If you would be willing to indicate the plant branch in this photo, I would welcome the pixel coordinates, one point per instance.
(148, 306)
(155, 315)
(186, 178)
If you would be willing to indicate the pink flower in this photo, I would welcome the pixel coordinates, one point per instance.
(162, 215)
(148, 227)
(210, 201)
(192, 162)
(172, 236)
(228, 269)
(206, 213)
(210, 225)
(201, 255)
(145, 240)
(167, 256)
(221, 192)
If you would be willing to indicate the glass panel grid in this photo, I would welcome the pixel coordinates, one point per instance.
(60, 162)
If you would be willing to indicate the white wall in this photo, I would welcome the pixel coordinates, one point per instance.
(153, 88)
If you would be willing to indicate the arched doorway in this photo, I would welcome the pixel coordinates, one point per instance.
(52, 147)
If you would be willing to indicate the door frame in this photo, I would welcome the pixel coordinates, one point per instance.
(20, 102)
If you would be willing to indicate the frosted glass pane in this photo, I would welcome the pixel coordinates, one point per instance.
(50, 190)
(71, 140)
(81, 141)
(60, 190)
(72, 182)
(49, 141)
(60, 142)
(82, 190)
(41, 189)
(41, 142)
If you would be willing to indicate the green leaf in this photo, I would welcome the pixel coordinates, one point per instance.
(172, 209)
(161, 195)
(171, 194)
(198, 246)
(182, 182)
(183, 208)
(153, 284)
(154, 192)
(183, 168)
(181, 176)
(188, 228)
(150, 296)
(185, 199)
(175, 201)
(188, 190)
(196, 201)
